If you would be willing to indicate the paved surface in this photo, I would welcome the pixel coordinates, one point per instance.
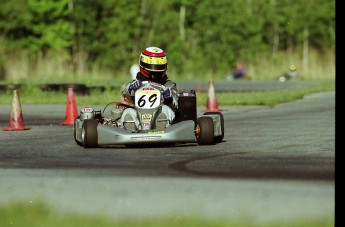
(274, 163)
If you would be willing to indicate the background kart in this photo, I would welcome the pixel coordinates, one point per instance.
(90, 129)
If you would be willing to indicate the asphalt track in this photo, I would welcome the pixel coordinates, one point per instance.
(274, 163)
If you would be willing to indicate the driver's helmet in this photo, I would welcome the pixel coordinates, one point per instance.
(239, 67)
(292, 68)
(153, 63)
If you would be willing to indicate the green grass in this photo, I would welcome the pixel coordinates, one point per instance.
(55, 68)
(38, 214)
(30, 94)
(268, 98)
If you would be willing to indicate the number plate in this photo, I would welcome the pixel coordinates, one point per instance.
(147, 98)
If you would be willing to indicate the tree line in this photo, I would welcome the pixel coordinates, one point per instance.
(202, 35)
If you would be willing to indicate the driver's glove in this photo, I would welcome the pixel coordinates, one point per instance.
(134, 86)
(167, 95)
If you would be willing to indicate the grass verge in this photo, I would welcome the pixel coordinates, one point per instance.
(38, 214)
(33, 95)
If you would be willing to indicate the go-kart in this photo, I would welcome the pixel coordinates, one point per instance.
(96, 128)
(287, 76)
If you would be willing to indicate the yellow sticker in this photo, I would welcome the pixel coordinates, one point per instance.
(146, 117)
(155, 132)
(154, 60)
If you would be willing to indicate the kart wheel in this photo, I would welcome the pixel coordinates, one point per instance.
(218, 139)
(205, 131)
(75, 132)
(89, 133)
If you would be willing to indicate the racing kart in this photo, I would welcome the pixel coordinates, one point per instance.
(287, 76)
(97, 128)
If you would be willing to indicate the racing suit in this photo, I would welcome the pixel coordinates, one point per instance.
(168, 108)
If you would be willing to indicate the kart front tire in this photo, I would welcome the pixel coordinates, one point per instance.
(205, 131)
(89, 133)
(218, 139)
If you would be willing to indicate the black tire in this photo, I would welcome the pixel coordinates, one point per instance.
(89, 133)
(218, 139)
(75, 132)
(3, 88)
(205, 128)
(77, 88)
(81, 89)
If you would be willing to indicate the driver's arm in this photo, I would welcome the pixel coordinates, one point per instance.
(125, 94)
(174, 93)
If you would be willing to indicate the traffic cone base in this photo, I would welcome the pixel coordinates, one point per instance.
(71, 108)
(15, 129)
(16, 119)
(212, 104)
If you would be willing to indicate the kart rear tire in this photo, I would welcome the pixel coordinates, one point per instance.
(89, 133)
(75, 132)
(218, 139)
(205, 131)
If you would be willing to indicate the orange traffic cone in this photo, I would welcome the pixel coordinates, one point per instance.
(212, 104)
(16, 118)
(71, 108)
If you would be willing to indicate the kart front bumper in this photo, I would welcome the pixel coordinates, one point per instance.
(182, 132)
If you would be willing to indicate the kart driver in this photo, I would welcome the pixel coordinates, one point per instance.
(153, 66)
